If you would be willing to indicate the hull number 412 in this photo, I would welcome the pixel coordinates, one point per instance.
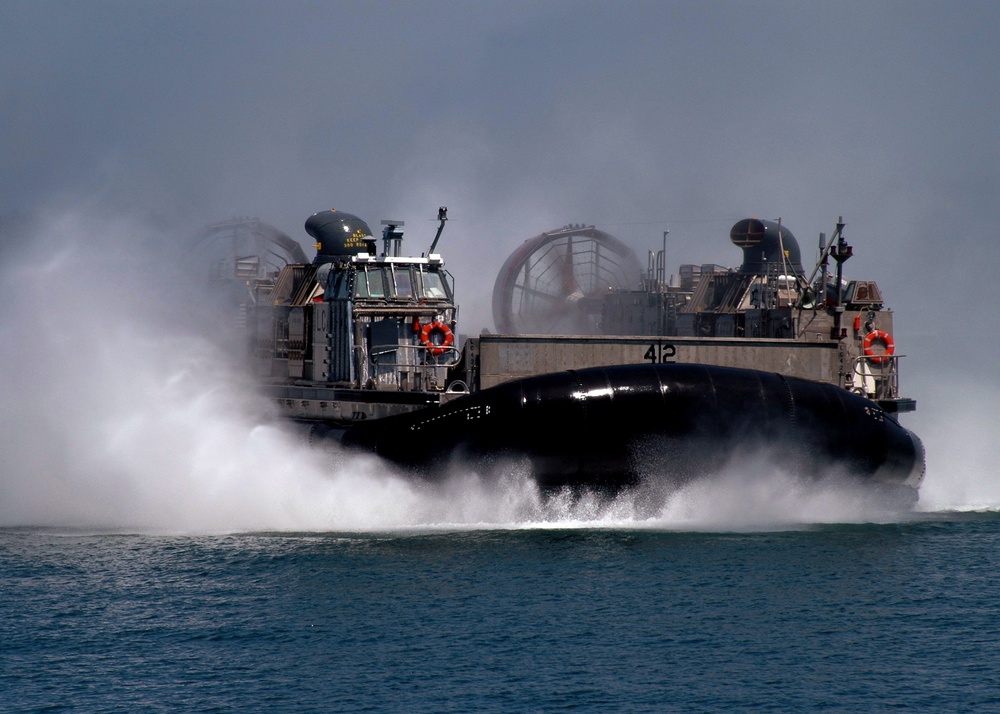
(660, 352)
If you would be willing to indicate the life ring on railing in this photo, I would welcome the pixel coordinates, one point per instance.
(879, 336)
(447, 337)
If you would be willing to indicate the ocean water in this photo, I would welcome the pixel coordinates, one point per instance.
(532, 618)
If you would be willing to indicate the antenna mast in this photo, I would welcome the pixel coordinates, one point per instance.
(443, 217)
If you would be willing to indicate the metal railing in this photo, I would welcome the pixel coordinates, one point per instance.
(451, 351)
(876, 377)
(408, 367)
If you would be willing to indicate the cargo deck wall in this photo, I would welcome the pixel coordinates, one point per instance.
(500, 358)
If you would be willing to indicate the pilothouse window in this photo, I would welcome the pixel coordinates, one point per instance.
(369, 283)
(376, 285)
(401, 282)
(404, 282)
(434, 286)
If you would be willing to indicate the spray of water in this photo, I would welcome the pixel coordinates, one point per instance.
(958, 421)
(122, 412)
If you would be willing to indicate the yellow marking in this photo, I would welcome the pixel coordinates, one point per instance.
(356, 239)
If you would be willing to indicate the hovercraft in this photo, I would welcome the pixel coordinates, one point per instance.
(602, 374)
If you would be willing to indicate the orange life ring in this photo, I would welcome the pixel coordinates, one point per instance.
(879, 336)
(447, 339)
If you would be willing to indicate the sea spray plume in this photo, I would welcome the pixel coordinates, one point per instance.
(752, 490)
(120, 414)
(959, 420)
(759, 489)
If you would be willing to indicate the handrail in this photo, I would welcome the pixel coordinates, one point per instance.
(876, 379)
(452, 351)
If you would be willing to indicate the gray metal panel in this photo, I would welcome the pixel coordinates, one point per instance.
(296, 342)
(725, 326)
(332, 327)
(685, 325)
(384, 334)
(341, 330)
(505, 357)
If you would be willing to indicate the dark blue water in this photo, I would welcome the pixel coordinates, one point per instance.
(835, 617)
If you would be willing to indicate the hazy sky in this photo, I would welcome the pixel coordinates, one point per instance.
(524, 116)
